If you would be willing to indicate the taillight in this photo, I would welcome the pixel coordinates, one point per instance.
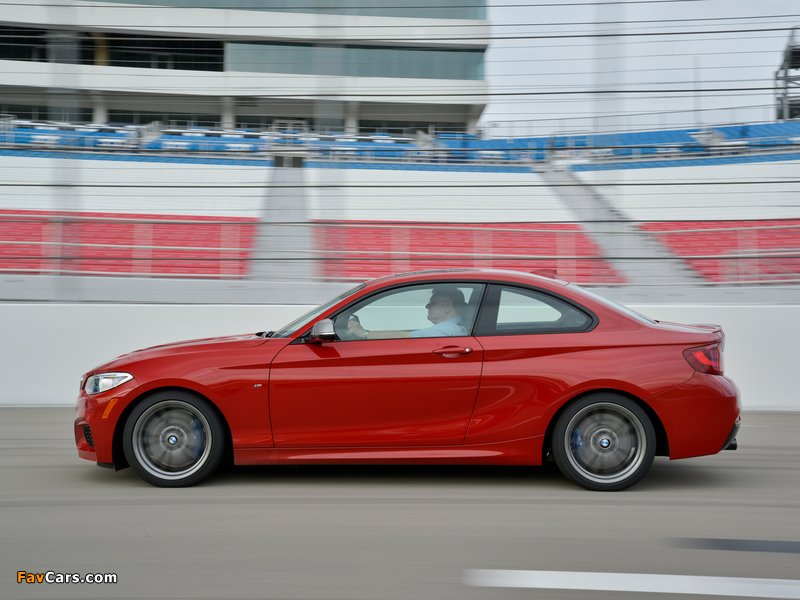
(706, 359)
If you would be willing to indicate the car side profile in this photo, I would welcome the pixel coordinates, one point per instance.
(439, 367)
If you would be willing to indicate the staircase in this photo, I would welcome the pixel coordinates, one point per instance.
(283, 243)
(635, 254)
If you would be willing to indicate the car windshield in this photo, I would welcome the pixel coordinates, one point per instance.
(301, 322)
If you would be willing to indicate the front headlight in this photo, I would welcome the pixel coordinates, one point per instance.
(103, 382)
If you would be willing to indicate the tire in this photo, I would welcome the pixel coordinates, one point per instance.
(604, 442)
(173, 439)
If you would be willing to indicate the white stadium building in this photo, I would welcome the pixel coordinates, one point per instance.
(344, 66)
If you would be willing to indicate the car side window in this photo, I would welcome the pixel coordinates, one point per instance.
(437, 309)
(513, 310)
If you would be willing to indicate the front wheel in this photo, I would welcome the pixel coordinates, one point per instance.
(173, 439)
(604, 442)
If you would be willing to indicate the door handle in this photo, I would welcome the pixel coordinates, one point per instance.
(453, 350)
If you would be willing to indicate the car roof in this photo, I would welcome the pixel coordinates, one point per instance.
(548, 277)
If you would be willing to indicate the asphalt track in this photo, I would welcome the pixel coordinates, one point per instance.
(729, 522)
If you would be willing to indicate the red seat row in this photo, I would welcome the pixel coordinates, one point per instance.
(363, 249)
(125, 244)
(202, 246)
(735, 251)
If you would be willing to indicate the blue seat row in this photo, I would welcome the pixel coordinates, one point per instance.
(452, 148)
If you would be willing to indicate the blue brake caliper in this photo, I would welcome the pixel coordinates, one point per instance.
(198, 438)
(577, 444)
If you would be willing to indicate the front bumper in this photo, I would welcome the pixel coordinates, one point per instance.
(96, 418)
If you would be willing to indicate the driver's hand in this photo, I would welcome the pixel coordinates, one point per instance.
(357, 330)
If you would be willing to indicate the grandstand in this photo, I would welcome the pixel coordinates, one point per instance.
(678, 207)
(277, 149)
(634, 149)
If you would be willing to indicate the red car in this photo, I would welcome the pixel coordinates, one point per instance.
(441, 367)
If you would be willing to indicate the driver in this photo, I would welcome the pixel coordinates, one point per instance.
(444, 310)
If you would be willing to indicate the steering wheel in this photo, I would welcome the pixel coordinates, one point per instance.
(344, 333)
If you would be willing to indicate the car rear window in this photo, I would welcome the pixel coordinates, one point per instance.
(515, 310)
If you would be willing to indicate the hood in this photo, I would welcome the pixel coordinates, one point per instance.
(215, 344)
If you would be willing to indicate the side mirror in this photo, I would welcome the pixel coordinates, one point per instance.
(322, 331)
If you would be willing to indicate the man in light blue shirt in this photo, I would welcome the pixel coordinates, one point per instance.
(444, 311)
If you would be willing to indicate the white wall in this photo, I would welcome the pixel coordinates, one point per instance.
(425, 195)
(755, 190)
(47, 347)
(760, 347)
(132, 186)
(235, 190)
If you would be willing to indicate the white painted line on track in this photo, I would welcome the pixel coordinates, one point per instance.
(635, 582)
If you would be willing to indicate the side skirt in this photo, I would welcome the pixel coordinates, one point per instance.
(526, 451)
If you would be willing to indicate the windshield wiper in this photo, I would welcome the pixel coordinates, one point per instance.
(265, 334)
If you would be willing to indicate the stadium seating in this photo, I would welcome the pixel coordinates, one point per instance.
(164, 245)
(365, 249)
(123, 244)
(442, 148)
(735, 251)
(210, 247)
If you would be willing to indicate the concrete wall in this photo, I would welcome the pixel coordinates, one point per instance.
(141, 185)
(752, 190)
(47, 347)
(194, 188)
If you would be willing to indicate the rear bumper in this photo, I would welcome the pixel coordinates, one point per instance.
(730, 443)
(701, 416)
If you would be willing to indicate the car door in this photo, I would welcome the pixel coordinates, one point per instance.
(534, 350)
(398, 391)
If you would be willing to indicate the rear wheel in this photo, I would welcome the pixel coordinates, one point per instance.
(173, 439)
(604, 442)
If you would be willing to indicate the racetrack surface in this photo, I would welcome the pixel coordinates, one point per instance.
(352, 533)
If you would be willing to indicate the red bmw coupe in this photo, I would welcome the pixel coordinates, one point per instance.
(441, 367)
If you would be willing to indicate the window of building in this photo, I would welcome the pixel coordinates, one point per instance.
(409, 127)
(418, 9)
(354, 61)
(41, 45)
(164, 53)
(168, 119)
(32, 112)
(28, 112)
(417, 63)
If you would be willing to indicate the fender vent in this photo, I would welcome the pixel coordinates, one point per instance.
(87, 433)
